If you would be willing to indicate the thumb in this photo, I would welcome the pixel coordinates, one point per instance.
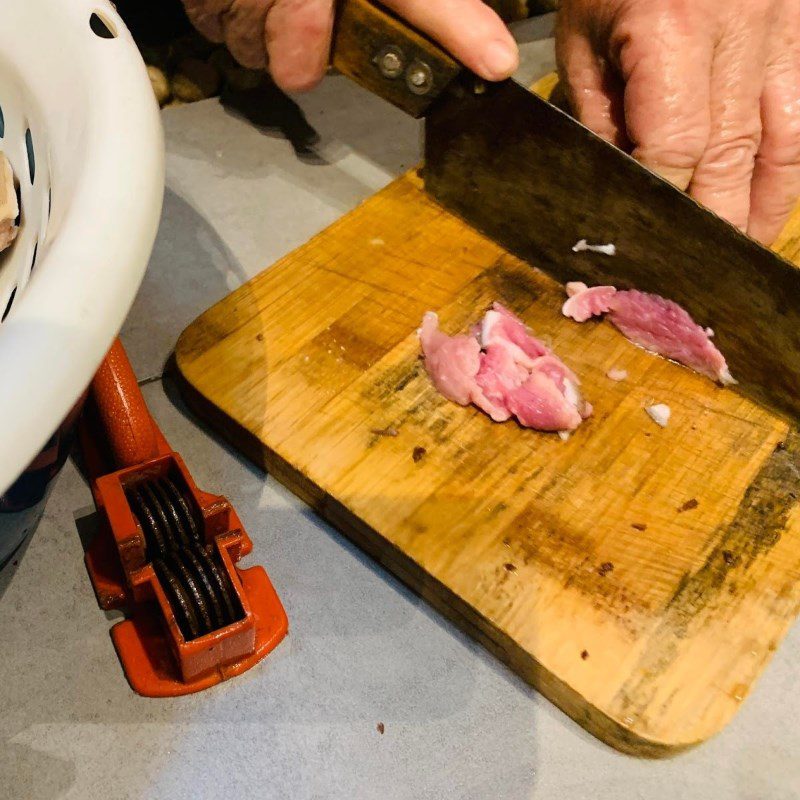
(298, 38)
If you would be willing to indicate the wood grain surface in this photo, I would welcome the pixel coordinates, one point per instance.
(639, 577)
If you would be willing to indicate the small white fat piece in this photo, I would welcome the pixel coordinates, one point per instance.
(564, 436)
(617, 374)
(582, 246)
(710, 333)
(571, 393)
(659, 413)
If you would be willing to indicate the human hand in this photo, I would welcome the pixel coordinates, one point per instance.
(293, 37)
(704, 92)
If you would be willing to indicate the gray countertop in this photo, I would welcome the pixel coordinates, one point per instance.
(362, 649)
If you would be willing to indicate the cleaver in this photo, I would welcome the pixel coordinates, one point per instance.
(528, 176)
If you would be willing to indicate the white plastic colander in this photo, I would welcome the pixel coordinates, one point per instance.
(82, 131)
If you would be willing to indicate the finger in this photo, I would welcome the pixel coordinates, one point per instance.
(723, 176)
(206, 16)
(243, 29)
(593, 90)
(468, 29)
(666, 67)
(298, 35)
(776, 177)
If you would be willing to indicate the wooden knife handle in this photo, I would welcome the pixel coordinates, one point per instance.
(390, 59)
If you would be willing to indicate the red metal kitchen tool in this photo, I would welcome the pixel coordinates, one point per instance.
(166, 552)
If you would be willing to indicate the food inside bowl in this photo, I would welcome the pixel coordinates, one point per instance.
(9, 208)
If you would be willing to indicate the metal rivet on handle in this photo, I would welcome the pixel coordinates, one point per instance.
(390, 62)
(419, 77)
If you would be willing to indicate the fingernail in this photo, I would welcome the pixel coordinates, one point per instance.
(500, 59)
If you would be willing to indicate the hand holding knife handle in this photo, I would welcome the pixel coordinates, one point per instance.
(392, 60)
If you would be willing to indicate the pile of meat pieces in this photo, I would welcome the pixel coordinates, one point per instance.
(505, 371)
(9, 209)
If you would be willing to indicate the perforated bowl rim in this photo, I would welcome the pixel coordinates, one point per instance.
(82, 90)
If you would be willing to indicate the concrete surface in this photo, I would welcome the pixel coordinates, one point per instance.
(362, 649)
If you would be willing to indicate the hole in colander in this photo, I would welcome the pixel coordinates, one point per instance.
(102, 27)
(18, 192)
(2, 123)
(33, 257)
(10, 303)
(31, 156)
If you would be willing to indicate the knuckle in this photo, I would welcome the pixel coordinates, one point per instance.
(249, 57)
(677, 148)
(671, 127)
(733, 155)
(784, 140)
(248, 50)
(206, 16)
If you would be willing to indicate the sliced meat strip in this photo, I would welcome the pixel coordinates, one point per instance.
(539, 404)
(499, 374)
(663, 327)
(451, 361)
(652, 322)
(565, 380)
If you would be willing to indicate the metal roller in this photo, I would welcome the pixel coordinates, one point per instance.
(215, 606)
(188, 515)
(200, 593)
(179, 600)
(193, 592)
(154, 536)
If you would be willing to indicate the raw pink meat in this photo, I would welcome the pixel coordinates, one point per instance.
(501, 327)
(652, 322)
(665, 328)
(586, 303)
(539, 404)
(575, 287)
(504, 371)
(499, 374)
(451, 361)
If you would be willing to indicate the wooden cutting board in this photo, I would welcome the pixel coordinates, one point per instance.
(639, 577)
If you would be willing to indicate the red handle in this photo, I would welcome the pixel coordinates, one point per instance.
(132, 435)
